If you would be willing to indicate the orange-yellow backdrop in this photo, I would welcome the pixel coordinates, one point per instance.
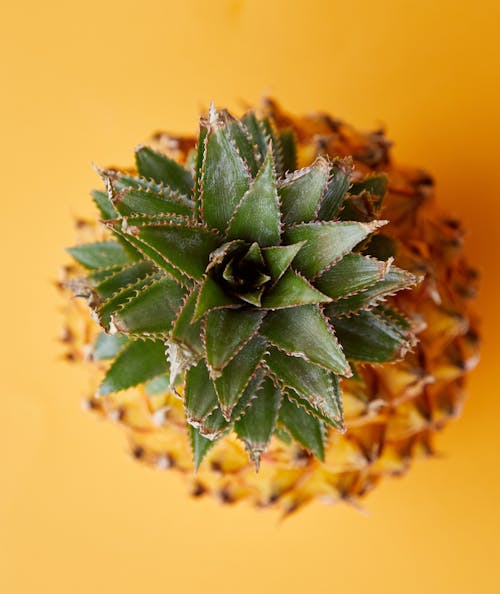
(88, 81)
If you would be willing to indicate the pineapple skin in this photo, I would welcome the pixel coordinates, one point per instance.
(392, 411)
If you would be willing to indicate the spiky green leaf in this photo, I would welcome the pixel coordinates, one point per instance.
(111, 306)
(107, 346)
(257, 216)
(123, 277)
(104, 204)
(256, 427)
(381, 246)
(200, 150)
(274, 141)
(158, 385)
(394, 280)
(152, 310)
(130, 202)
(257, 133)
(185, 330)
(375, 184)
(304, 428)
(235, 377)
(333, 198)
(186, 247)
(349, 276)
(200, 398)
(154, 165)
(326, 243)
(279, 258)
(226, 331)
(211, 296)
(151, 254)
(138, 362)
(301, 192)
(315, 384)
(372, 337)
(243, 142)
(224, 178)
(289, 149)
(303, 332)
(100, 254)
(199, 445)
(292, 290)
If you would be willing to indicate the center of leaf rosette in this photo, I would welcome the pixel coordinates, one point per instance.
(240, 270)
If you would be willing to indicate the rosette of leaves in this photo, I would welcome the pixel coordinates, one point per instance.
(250, 286)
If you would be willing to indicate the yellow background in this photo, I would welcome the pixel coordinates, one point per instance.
(88, 81)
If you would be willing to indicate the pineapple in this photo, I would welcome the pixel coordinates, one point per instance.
(276, 309)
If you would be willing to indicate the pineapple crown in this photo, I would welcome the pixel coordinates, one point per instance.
(254, 285)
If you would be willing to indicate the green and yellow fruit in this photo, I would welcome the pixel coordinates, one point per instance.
(277, 296)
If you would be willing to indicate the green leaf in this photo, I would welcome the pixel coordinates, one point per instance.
(200, 150)
(223, 252)
(137, 362)
(315, 384)
(362, 208)
(301, 192)
(292, 290)
(349, 276)
(257, 216)
(107, 346)
(370, 336)
(152, 310)
(326, 243)
(162, 169)
(199, 445)
(100, 254)
(282, 434)
(211, 296)
(111, 306)
(279, 258)
(289, 149)
(243, 142)
(216, 425)
(394, 280)
(123, 181)
(151, 254)
(227, 330)
(304, 428)
(375, 184)
(184, 246)
(253, 255)
(273, 137)
(95, 277)
(225, 177)
(200, 397)
(340, 176)
(303, 332)
(235, 377)
(256, 427)
(131, 201)
(158, 385)
(104, 204)
(123, 278)
(184, 330)
(131, 224)
(381, 247)
(253, 297)
(257, 133)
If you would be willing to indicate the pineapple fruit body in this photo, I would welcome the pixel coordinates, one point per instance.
(388, 395)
